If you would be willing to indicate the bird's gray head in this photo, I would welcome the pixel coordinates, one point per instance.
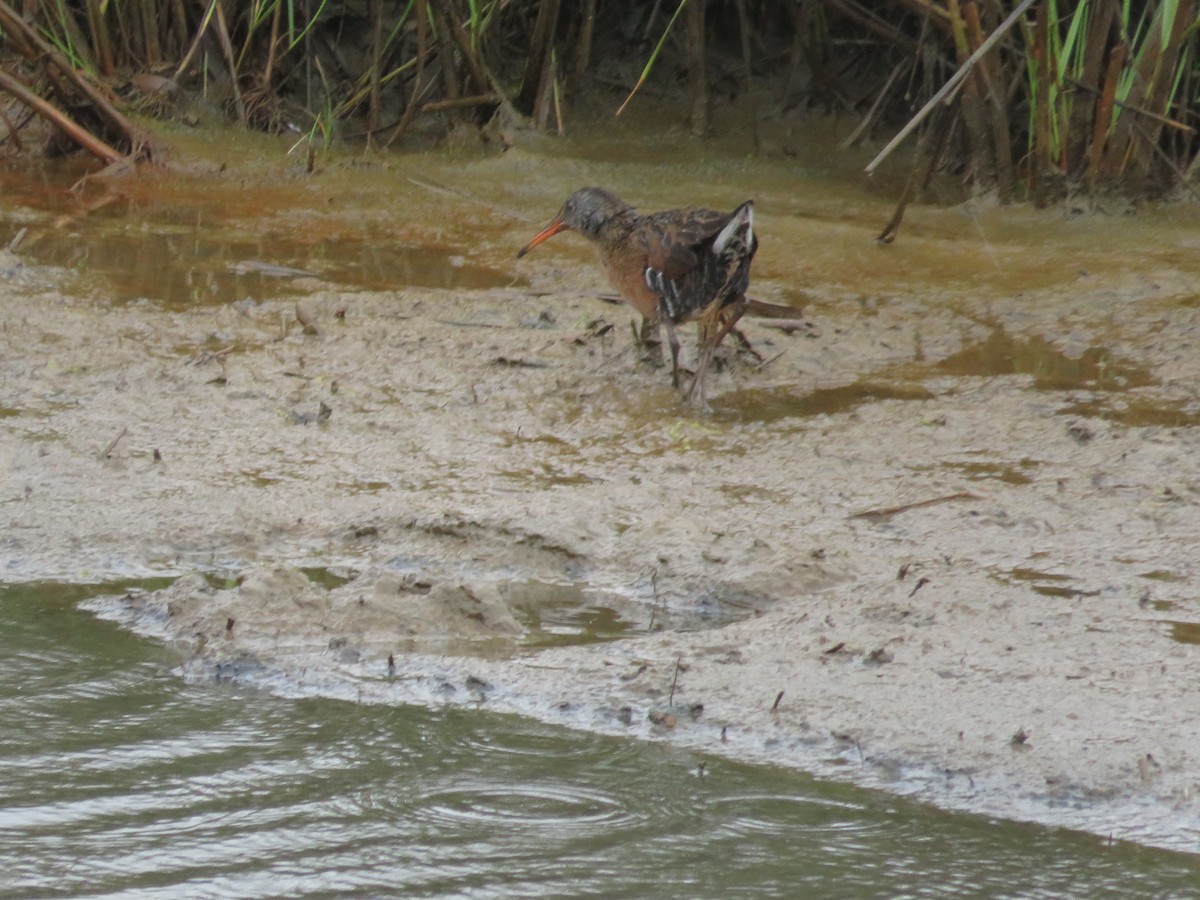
(587, 211)
(589, 208)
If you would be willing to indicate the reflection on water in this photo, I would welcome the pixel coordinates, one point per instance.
(1017, 473)
(203, 264)
(1052, 369)
(1185, 632)
(188, 245)
(1001, 353)
(1048, 584)
(773, 404)
(1138, 412)
(121, 780)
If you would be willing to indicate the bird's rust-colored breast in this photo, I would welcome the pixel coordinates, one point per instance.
(666, 242)
(625, 264)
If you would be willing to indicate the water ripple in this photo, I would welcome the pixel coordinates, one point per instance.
(120, 780)
(560, 807)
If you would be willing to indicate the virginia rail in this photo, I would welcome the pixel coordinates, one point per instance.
(672, 266)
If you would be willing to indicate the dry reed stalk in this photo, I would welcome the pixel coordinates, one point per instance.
(697, 71)
(1041, 101)
(420, 10)
(1159, 74)
(177, 22)
(272, 46)
(77, 133)
(227, 48)
(983, 162)
(745, 29)
(1152, 65)
(445, 55)
(148, 16)
(537, 63)
(583, 44)
(376, 66)
(1104, 113)
(996, 105)
(102, 49)
(1084, 108)
(947, 90)
(875, 24)
(31, 44)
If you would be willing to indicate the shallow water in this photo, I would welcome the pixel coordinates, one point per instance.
(121, 780)
(188, 244)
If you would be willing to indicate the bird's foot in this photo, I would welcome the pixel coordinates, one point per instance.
(677, 378)
(696, 397)
(651, 353)
(744, 345)
(647, 343)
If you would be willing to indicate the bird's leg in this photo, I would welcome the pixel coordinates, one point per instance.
(646, 338)
(711, 336)
(707, 327)
(673, 340)
(647, 334)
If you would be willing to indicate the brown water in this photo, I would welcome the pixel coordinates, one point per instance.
(183, 246)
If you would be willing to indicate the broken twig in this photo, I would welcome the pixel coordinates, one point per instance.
(886, 512)
(112, 445)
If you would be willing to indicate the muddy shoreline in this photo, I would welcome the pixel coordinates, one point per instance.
(960, 522)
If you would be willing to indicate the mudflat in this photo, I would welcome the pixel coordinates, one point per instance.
(941, 539)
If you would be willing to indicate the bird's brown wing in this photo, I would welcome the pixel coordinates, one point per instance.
(678, 237)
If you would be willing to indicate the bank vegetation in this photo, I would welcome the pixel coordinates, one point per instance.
(1030, 100)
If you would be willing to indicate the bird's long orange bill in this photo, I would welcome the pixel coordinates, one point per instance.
(548, 232)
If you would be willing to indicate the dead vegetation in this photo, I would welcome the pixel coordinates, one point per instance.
(1029, 100)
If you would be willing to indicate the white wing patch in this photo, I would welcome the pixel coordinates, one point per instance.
(743, 216)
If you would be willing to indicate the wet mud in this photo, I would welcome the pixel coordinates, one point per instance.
(942, 542)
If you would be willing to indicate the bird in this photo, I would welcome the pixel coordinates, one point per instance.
(674, 266)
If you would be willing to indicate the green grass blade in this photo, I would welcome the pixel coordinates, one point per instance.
(653, 56)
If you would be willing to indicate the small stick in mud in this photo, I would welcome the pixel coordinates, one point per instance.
(112, 445)
(774, 706)
(921, 582)
(886, 512)
(674, 681)
(654, 591)
(766, 362)
(609, 360)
